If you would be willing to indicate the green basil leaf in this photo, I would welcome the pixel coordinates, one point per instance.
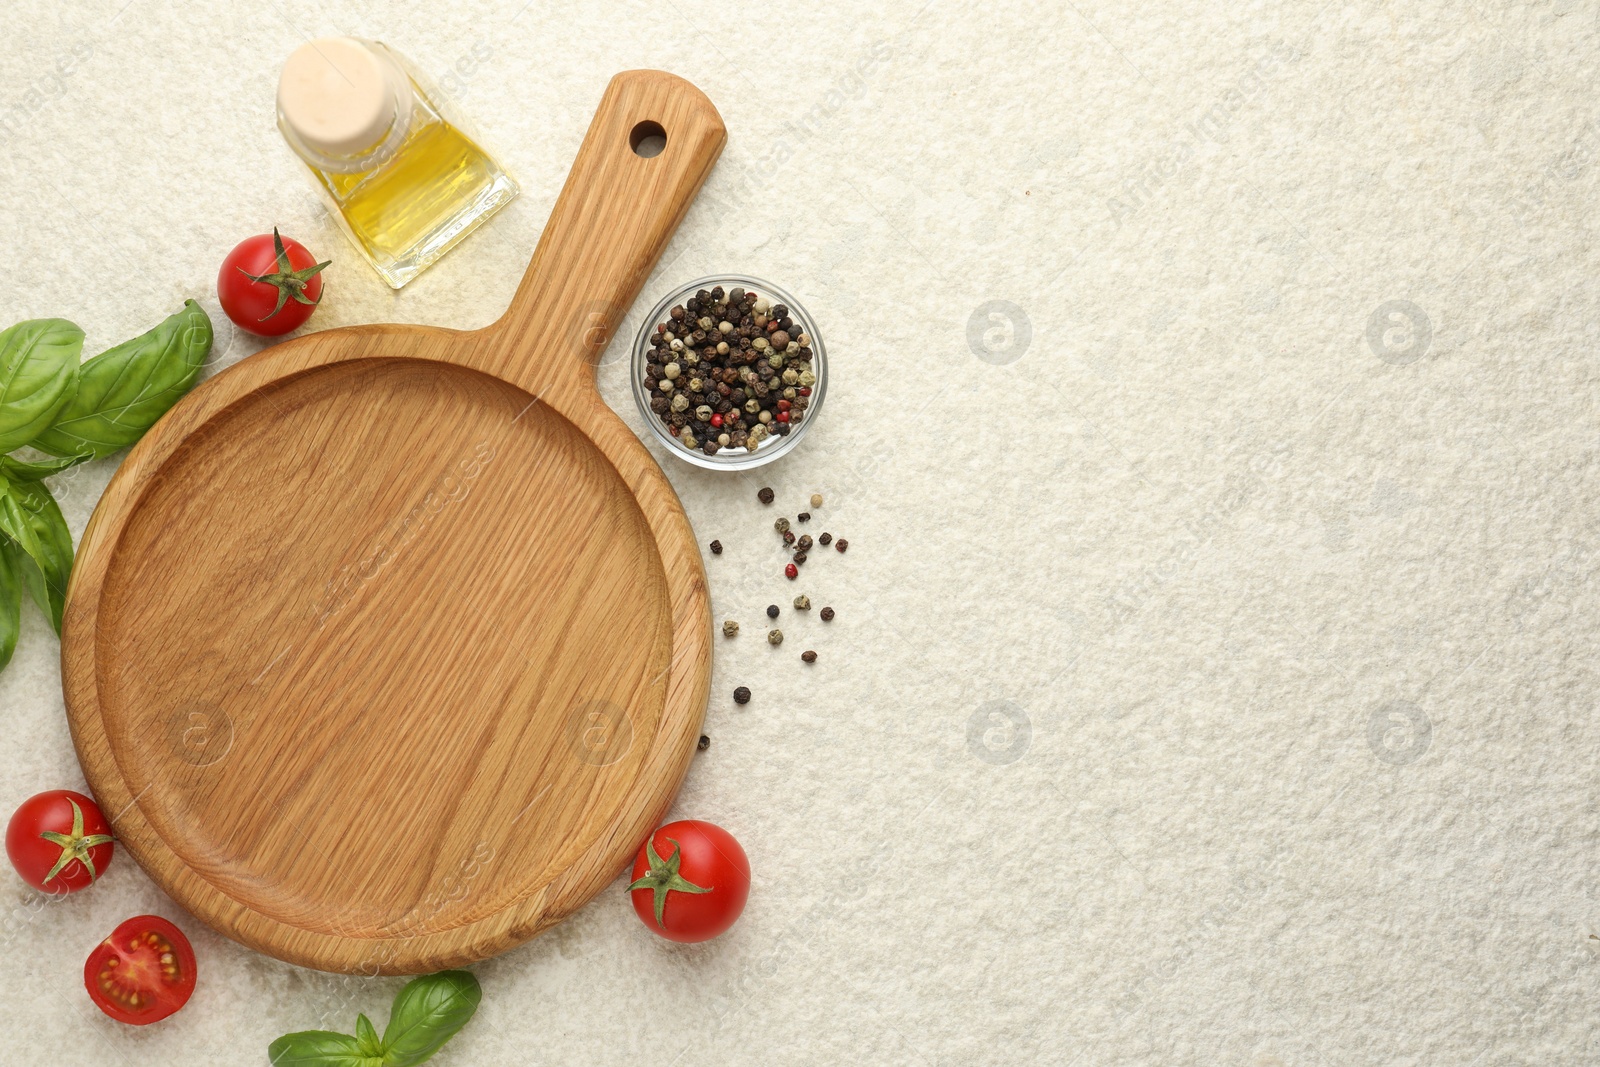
(10, 599)
(124, 390)
(30, 517)
(368, 1037)
(428, 1012)
(318, 1048)
(38, 376)
(22, 471)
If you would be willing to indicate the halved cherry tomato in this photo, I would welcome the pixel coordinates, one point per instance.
(59, 841)
(142, 973)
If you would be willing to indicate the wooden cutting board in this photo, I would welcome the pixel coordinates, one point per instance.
(388, 645)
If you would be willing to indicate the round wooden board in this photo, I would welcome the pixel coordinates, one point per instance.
(386, 647)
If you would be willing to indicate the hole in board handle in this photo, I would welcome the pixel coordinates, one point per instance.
(648, 139)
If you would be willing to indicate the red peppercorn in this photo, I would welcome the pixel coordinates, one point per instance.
(716, 420)
(805, 391)
(783, 416)
(784, 405)
(791, 572)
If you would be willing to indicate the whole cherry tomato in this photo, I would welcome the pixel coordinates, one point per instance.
(270, 285)
(59, 841)
(690, 881)
(142, 973)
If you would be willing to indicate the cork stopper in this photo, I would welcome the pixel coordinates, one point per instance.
(340, 96)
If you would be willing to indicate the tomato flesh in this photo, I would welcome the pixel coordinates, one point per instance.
(142, 973)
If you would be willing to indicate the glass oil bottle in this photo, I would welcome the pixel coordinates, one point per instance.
(405, 182)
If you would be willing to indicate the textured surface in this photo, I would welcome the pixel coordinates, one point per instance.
(1298, 612)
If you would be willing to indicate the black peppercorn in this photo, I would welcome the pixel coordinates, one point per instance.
(804, 516)
(808, 655)
(825, 540)
(716, 548)
(804, 544)
(842, 545)
(827, 614)
(705, 742)
(741, 695)
(765, 496)
(772, 611)
(799, 557)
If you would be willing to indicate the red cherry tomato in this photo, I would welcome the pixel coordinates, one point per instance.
(59, 841)
(270, 285)
(142, 973)
(690, 881)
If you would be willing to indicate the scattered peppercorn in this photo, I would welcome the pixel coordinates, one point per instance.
(788, 537)
(765, 496)
(705, 743)
(808, 655)
(816, 500)
(825, 540)
(804, 516)
(827, 614)
(799, 558)
(716, 548)
(774, 637)
(791, 572)
(842, 545)
(782, 526)
(802, 603)
(804, 544)
(772, 611)
(741, 695)
(730, 629)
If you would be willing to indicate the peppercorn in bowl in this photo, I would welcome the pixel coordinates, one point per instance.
(728, 372)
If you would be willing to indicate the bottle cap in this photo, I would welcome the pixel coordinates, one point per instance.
(338, 95)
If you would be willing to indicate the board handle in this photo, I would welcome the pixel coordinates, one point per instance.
(618, 209)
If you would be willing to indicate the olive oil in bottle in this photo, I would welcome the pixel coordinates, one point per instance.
(405, 182)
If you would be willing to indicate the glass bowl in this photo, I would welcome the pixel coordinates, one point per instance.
(729, 459)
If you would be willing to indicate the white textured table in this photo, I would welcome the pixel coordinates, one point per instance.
(1214, 424)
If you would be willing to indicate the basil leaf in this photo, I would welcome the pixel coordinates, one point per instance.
(428, 1012)
(22, 471)
(124, 390)
(368, 1038)
(319, 1048)
(38, 375)
(30, 517)
(10, 599)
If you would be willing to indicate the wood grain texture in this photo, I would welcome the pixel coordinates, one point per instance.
(387, 646)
